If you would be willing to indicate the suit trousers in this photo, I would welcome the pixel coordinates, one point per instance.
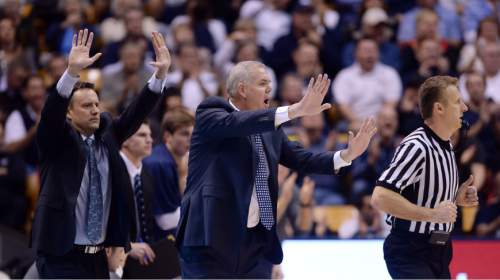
(204, 262)
(410, 256)
(75, 264)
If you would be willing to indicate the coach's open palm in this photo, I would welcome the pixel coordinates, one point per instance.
(79, 56)
(162, 54)
(312, 102)
(359, 143)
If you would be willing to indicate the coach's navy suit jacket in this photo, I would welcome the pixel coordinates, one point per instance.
(63, 160)
(222, 166)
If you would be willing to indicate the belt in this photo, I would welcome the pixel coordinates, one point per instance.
(422, 236)
(88, 249)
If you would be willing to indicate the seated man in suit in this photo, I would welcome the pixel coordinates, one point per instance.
(133, 151)
(86, 201)
(228, 213)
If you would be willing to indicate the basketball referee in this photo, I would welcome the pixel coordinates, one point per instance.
(420, 189)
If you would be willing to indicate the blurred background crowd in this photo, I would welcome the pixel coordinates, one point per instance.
(376, 52)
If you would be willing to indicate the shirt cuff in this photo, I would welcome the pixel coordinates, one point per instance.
(156, 85)
(339, 162)
(281, 116)
(66, 84)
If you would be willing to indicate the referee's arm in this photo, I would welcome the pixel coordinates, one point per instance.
(393, 203)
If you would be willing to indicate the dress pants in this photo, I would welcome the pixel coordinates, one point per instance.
(204, 262)
(410, 256)
(75, 264)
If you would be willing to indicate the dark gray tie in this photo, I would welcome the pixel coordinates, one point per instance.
(95, 203)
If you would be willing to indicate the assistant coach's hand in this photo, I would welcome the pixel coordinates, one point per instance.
(79, 57)
(163, 59)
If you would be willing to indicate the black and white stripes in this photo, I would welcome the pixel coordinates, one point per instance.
(424, 171)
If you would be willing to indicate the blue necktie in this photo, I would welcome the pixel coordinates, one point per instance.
(95, 203)
(139, 202)
(262, 185)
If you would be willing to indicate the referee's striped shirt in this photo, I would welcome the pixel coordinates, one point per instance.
(424, 171)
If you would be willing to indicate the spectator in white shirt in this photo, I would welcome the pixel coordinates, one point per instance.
(490, 57)
(194, 83)
(364, 88)
(271, 19)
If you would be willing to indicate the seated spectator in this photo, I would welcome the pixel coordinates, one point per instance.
(367, 223)
(115, 29)
(168, 165)
(55, 69)
(490, 57)
(474, 12)
(60, 34)
(194, 83)
(307, 61)
(134, 31)
(133, 151)
(488, 218)
(375, 25)
(408, 109)
(208, 32)
(294, 214)
(10, 47)
(491, 141)
(21, 125)
(123, 80)
(488, 32)
(17, 73)
(13, 203)
(271, 19)
(241, 45)
(301, 28)
(362, 89)
(431, 62)
(449, 22)
(427, 22)
(329, 188)
(380, 152)
(292, 89)
(480, 110)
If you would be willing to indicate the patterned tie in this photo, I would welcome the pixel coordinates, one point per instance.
(139, 202)
(95, 203)
(262, 186)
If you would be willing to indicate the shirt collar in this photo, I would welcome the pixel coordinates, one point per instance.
(445, 144)
(85, 137)
(131, 168)
(232, 105)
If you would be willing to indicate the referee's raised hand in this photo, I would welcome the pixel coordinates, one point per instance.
(445, 212)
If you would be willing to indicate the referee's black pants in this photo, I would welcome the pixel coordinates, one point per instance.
(410, 256)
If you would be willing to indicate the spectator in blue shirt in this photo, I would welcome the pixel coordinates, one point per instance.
(168, 165)
(449, 23)
(474, 12)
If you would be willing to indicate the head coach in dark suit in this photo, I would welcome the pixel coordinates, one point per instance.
(86, 201)
(228, 226)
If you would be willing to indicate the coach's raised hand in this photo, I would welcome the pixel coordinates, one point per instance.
(79, 57)
(163, 59)
(312, 102)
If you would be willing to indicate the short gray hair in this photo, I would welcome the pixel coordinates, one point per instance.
(241, 72)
